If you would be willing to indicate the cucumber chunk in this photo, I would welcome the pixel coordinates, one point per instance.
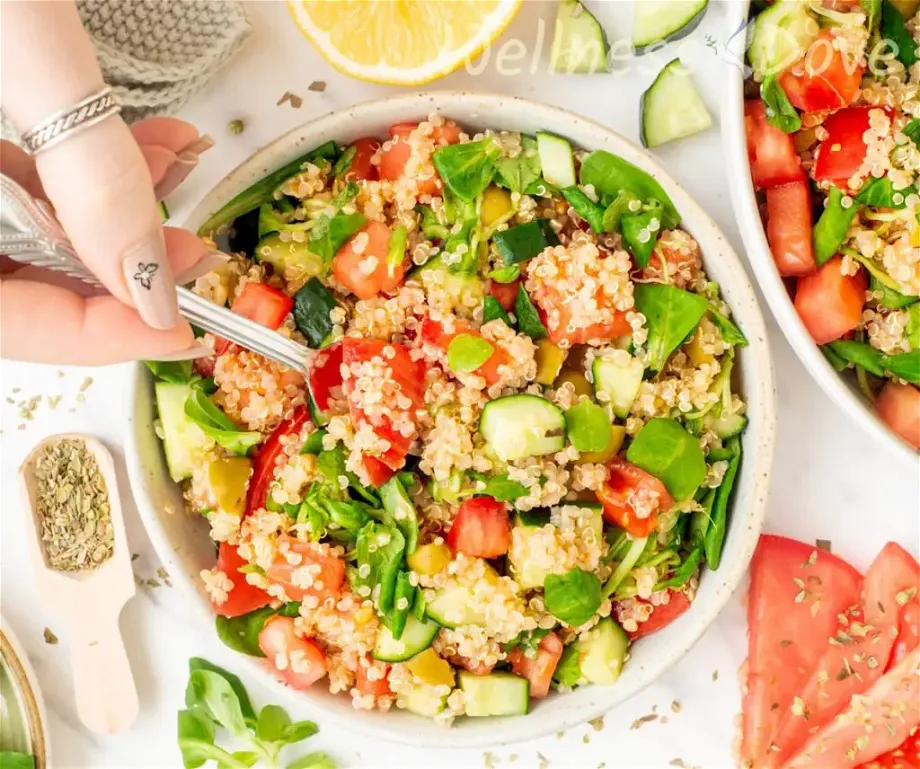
(497, 694)
(292, 260)
(579, 42)
(183, 440)
(453, 606)
(416, 637)
(672, 107)
(659, 21)
(726, 425)
(602, 652)
(782, 34)
(520, 426)
(557, 160)
(518, 244)
(422, 701)
(620, 384)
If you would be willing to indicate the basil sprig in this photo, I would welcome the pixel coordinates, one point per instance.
(573, 597)
(666, 450)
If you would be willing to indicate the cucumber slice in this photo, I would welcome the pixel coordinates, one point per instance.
(453, 606)
(579, 42)
(595, 520)
(497, 694)
(416, 637)
(672, 107)
(518, 244)
(602, 652)
(557, 160)
(660, 21)
(183, 440)
(726, 425)
(619, 383)
(422, 701)
(291, 260)
(312, 307)
(520, 426)
(782, 34)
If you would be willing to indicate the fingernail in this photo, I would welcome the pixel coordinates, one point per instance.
(194, 352)
(206, 264)
(150, 282)
(176, 174)
(201, 144)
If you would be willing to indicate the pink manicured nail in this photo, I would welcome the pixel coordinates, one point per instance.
(176, 174)
(206, 264)
(201, 144)
(150, 282)
(194, 352)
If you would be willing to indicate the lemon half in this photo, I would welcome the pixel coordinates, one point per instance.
(401, 42)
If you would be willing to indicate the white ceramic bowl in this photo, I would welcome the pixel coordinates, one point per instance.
(843, 390)
(182, 541)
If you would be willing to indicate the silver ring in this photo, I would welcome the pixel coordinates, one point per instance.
(92, 110)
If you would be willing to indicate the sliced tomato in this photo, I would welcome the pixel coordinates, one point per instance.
(878, 722)
(327, 579)
(377, 472)
(243, 597)
(480, 529)
(362, 167)
(855, 655)
(899, 407)
(628, 487)
(433, 332)
(662, 615)
(325, 380)
(796, 593)
(263, 466)
(538, 670)
(771, 152)
(299, 662)
(376, 688)
(394, 158)
(556, 312)
(905, 756)
(825, 80)
(505, 293)
(830, 303)
(364, 270)
(841, 153)
(789, 228)
(259, 302)
(908, 633)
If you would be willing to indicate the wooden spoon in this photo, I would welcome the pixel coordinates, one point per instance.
(88, 603)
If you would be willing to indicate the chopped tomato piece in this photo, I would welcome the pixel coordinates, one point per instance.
(204, 367)
(394, 158)
(539, 669)
(480, 529)
(899, 407)
(662, 615)
(263, 466)
(630, 491)
(908, 633)
(830, 303)
(361, 166)
(433, 332)
(315, 572)
(505, 293)
(298, 662)
(905, 756)
(478, 668)
(259, 302)
(878, 722)
(789, 228)
(377, 687)
(361, 264)
(377, 472)
(557, 313)
(796, 593)
(840, 155)
(772, 153)
(824, 80)
(325, 380)
(243, 597)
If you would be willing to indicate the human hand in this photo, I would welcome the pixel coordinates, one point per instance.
(101, 182)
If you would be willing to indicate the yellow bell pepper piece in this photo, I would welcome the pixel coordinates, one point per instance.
(907, 7)
(695, 351)
(228, 478)
(429, 559)
(433, 670)
(617, 436)
(578, 380)
(550, 358)
(496, 205)
(915, 237)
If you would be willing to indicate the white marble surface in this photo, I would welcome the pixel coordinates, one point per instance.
(829, 482)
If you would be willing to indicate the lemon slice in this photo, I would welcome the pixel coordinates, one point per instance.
(401, 42)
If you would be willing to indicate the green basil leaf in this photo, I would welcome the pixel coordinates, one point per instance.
(666, 450)
(213, 422)
(500, 487)
(831, 229)
(11, 759)
(396, 248)
(912, 131)
(298, 732)
(380, 549)
(198, 663)
(329, 234)
(873, 9)
(640, 233)
(218, 700)
(573, 597)
(313, 304)
(505, 275)
(314, 442)
(879, 192)
(587, 209)
(671, 316)
(894, 29)
(273, 720)
(528, 318)
(518, 174)
(729, 332)
(466, 169)
(432, 227)
(317, 760)
(196, 741)
(170, 371)
(588, 426)
(242, 633)
(624, 203)
(343, 164)
(399, 510)
(780, 112)
(492, 310)
(467, 352)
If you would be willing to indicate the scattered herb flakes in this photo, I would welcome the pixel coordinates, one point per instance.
(81, 398)
(602, 765)
(85, 384)
(291, 98)
(715, 675)
(786, 643)
(513, 757)
(542, 761)
(135, 556)
(10, 400)
(586, 738)
(16, 390)
(50, 638)
(489, 760)
(236, 127)
(53, 401)
(664, 720)
(28, 406)
(597, 724)
(823, 544)
(639, 722)
(560, 735)
(151, 583)
(60, 373)
(675, 706)
(317, 86)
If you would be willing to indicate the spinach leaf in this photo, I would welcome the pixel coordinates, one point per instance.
(315, 760)
(399, 511)
(518, 174)
(687, 569)
(466, 235)
(216, 698)
(873, 9)
(913, 326)
(196, 741)
(329, 234)
(467, 352)
(588, 426)
(527, 316)
(170, 371)
(343, 164)
(507, 274)
(568, 671)
(197, 663)
(525, 241)
(500, 487)
(640, 232)
(466, 169)
(404, 596)
(912, 131)
(492, 310)
(625, 202)
(330, 465)
(12, 759)
(312, 305)
(326, 513)
(666, 450)
(396, 249)
(671, 316)
(880, 193)
(609, 174)
(273, 720)
(242, 633)
(729, 332)
(831, 229)
(432, 227)
(894, 29)
(780, 112)
(587, 209)
(214, 423)
(715, 534)
(905, 366)
(263, 190)
(889, 297)
(379, 551)
(573, 597)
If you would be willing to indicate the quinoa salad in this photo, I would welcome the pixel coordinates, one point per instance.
(514, 453)
(832, 116)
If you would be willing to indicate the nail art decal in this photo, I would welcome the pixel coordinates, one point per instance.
(145, 273)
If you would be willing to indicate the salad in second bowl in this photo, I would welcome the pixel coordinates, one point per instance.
(515, 450)
(833, 130)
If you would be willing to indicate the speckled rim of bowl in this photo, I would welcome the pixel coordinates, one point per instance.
(30, 698)
(653, 655)
(843, 392)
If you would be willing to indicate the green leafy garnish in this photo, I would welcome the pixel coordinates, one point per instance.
(912, 131)
(466, 169)
(170, 371)
(588, 426)
(666, 450)
(640, 232)
(894, 29)
(715, 534)
(518, 174)
(873, 9)
(379, 551)
(684, 572)
(905, 366)
(432, 227)
(500, 487)
(343, 164)
(624, 203)
(396, 248)
(587, 209)
(568, 671)
(12, 759)
(214, 423)
(573, 597)
(729, 332)
(507, 274)
(525, 241)
(671, 316)
(780, 112)
(242, 633)
(879, 192)
(913, 326)
(398, 509)
(831, 229)
(527, 316)
(329, 234)
(492, 310)
(467, 352)
(313, 304)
